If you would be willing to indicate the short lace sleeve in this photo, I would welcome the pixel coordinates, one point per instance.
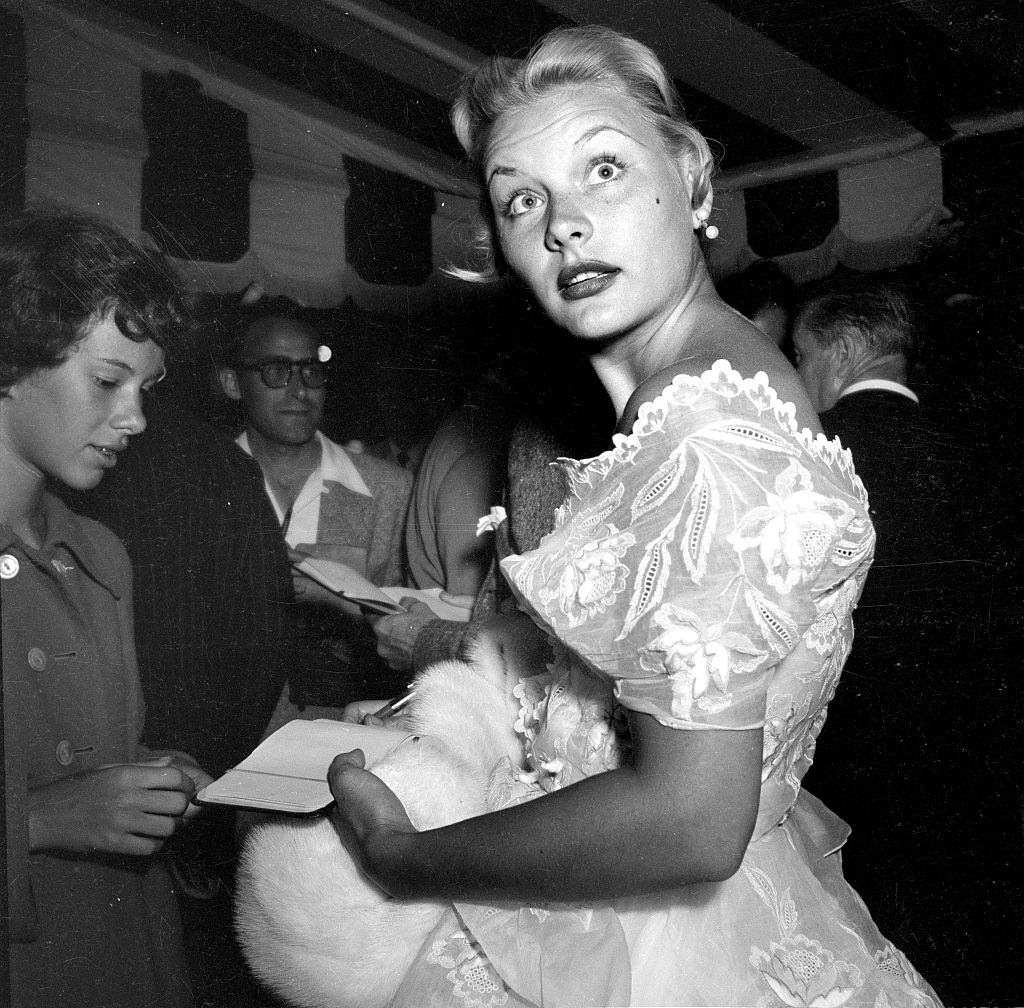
(693, 556)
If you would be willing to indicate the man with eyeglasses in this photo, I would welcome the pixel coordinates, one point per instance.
(331, 504)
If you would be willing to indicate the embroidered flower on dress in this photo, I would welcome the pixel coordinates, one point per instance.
(507, 785)
(830, 628)
(699, 660)
(788, 730)
(574, 737)
(760, 393)
(592, 578)
(530, 693)
(685, 390)
(650, 417)
(625, 448)
(795, 531)
(785, 416)
(723, 380)
(839, 605)
(803, 974)
(892, 961)
(474, 980)
(821, 636)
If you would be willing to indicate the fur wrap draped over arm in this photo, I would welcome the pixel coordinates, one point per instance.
(312, 928)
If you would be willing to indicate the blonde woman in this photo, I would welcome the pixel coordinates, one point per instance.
(698, 589)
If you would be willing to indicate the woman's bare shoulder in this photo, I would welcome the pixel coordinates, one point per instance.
(748, 352)
(656, 384)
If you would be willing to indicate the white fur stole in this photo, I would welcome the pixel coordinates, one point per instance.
(312, 928)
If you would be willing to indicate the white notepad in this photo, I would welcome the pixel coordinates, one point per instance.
(288, 771)
(350, 584)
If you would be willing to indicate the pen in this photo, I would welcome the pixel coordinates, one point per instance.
(393, 705)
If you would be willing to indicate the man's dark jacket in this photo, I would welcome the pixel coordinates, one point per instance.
(912, 754)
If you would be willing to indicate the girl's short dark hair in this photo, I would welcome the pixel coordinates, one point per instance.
(62, 272)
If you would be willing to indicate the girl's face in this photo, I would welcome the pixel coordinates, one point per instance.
(70, 421)
(591, 212)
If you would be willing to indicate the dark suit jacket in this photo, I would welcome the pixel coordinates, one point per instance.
(904, 466)
(909, 754)
(214, 605)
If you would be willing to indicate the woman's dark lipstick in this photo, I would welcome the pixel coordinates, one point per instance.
(585, 279)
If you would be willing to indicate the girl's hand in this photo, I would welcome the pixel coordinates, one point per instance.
(128, 808)
(184, 762)
(371, 820)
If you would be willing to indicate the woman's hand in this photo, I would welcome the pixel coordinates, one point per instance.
(371, 820)
(365, 712)
(362, 711)
(128, 808)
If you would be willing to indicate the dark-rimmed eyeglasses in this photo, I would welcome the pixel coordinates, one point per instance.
(276, 374)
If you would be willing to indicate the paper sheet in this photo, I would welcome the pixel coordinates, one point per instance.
(288, 771)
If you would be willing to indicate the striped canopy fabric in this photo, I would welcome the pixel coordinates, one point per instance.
(331, 171)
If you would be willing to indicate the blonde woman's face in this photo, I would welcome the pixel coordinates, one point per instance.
(591, 212)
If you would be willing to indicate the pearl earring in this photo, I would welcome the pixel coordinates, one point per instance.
(700, 220)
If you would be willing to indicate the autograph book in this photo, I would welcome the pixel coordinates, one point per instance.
(350, 584)
(287, 772)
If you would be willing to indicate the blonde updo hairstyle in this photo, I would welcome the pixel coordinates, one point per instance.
(589, 54)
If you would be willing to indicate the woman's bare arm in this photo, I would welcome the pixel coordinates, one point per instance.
(681, 812)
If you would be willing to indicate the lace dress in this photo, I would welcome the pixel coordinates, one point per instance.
(704, 571)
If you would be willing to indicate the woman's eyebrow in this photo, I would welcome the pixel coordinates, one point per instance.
(500, 170)
(601, 128)
(584, 137)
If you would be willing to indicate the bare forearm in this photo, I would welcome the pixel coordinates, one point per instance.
(623, 832)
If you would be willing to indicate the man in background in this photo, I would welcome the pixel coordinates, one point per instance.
(330, 504)
(910, 753)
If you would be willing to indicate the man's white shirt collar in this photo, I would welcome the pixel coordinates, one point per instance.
(880, 384)
(336, 466)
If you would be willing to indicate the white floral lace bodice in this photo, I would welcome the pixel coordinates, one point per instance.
(705, 569)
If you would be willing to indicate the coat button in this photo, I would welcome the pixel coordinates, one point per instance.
(8, 566)
(65, 754)
(37, 659)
